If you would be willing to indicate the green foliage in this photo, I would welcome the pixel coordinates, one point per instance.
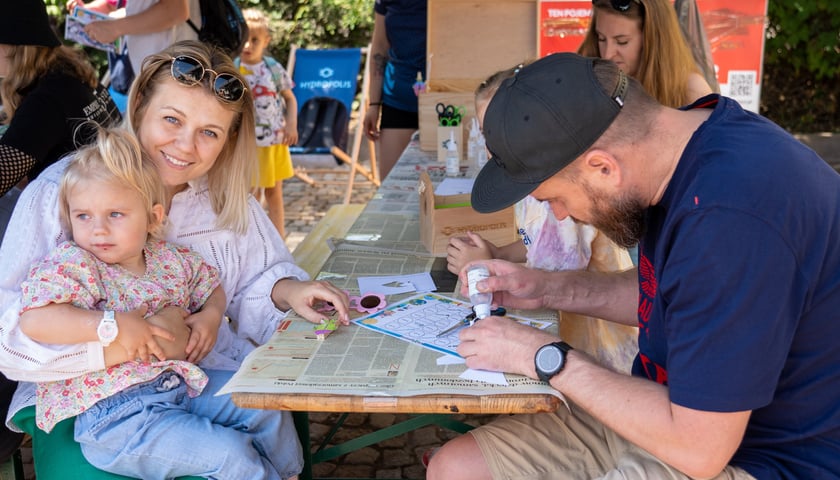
(801, 64)
(801, 57)
(805, 35)
(315, 23)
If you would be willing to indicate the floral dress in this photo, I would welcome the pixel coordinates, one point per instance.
(69, 274)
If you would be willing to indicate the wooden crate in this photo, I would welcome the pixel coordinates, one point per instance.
(467, 41)
(445, 216)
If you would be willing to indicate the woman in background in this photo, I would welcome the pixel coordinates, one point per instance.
(643, 37)
(48, 92)
(398, 56)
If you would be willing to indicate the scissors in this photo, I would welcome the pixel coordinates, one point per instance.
(468, 320)
(449, 115)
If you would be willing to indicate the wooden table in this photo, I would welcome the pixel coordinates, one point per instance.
(387, 229)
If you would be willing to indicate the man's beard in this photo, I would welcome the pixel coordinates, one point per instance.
(622, 219)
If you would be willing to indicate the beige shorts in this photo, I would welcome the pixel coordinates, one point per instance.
(570, 445)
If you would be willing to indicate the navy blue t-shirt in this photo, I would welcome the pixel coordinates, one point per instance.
(739, 291)
(405, 27)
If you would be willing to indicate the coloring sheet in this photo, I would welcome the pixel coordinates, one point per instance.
(419, 319)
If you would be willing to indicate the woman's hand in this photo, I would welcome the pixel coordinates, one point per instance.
(103, 31)
(371, 122)
(204, 326)
(303, 296)
(101, 6)
(171, 318)
(463, 250)
(138, 339)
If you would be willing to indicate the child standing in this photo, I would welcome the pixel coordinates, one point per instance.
(276, 114)
(131, 416)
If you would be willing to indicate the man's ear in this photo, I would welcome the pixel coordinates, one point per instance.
(602, 167)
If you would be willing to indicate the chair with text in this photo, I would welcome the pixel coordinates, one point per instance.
(326, 82)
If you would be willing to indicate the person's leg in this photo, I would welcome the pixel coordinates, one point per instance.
(458, 458)
(276, 213)
(392, 143)
(146, 432)
(547, 446)
(395, 130)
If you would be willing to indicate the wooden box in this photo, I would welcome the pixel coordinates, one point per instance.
(466, 42)
(446, 216)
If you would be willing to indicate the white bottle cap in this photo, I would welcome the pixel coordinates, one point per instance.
(482, 310)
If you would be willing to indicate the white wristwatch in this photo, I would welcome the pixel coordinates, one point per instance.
(107, 329)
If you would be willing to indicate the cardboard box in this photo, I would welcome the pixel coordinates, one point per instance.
(446, 216)
(466, 42)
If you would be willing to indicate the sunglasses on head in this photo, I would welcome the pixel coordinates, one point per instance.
(189, 71)
(622, 5)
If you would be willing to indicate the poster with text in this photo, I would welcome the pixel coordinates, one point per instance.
(736, 36)
(562, 25)
(735, 31)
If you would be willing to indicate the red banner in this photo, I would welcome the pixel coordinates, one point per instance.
(735, 31)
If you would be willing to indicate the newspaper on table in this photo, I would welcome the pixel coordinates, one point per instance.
(355, 360)
(74, 29)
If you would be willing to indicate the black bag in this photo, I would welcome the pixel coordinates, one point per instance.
(121, 72)
(322, 124)
(223, 25)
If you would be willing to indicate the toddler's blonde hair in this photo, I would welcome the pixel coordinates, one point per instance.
(116, 157)
(256, 19)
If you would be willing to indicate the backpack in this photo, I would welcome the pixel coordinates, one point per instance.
(223, 25)
(322, 124)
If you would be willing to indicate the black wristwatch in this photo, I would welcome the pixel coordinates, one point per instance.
(550, 360)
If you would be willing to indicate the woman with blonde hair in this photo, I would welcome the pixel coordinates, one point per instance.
(49, 92)
(644, 38)
(193, 116)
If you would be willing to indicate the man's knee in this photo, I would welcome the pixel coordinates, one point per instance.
(459, 458)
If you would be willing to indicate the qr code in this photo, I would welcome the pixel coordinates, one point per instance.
(742, 83)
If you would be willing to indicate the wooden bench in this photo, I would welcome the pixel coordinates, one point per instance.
(313, 251)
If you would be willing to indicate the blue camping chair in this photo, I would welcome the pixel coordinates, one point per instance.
(326, 81)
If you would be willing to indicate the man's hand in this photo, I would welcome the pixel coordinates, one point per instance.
(501, 344)
(513, 285)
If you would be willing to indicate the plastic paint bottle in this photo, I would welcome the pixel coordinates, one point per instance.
(453, 163)
(472, 145)
(480, 152)
(480, 300)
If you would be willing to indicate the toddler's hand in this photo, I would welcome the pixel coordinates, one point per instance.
(463, 250)
(204, 327)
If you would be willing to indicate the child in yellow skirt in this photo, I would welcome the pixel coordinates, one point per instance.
(276, 114)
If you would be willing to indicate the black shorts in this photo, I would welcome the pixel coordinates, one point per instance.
(396, 118)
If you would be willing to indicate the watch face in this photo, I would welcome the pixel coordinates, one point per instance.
(549, 359)
(107, 330)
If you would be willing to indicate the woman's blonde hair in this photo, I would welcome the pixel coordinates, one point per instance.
(29, 63)
(115, 156)
(666, 61)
